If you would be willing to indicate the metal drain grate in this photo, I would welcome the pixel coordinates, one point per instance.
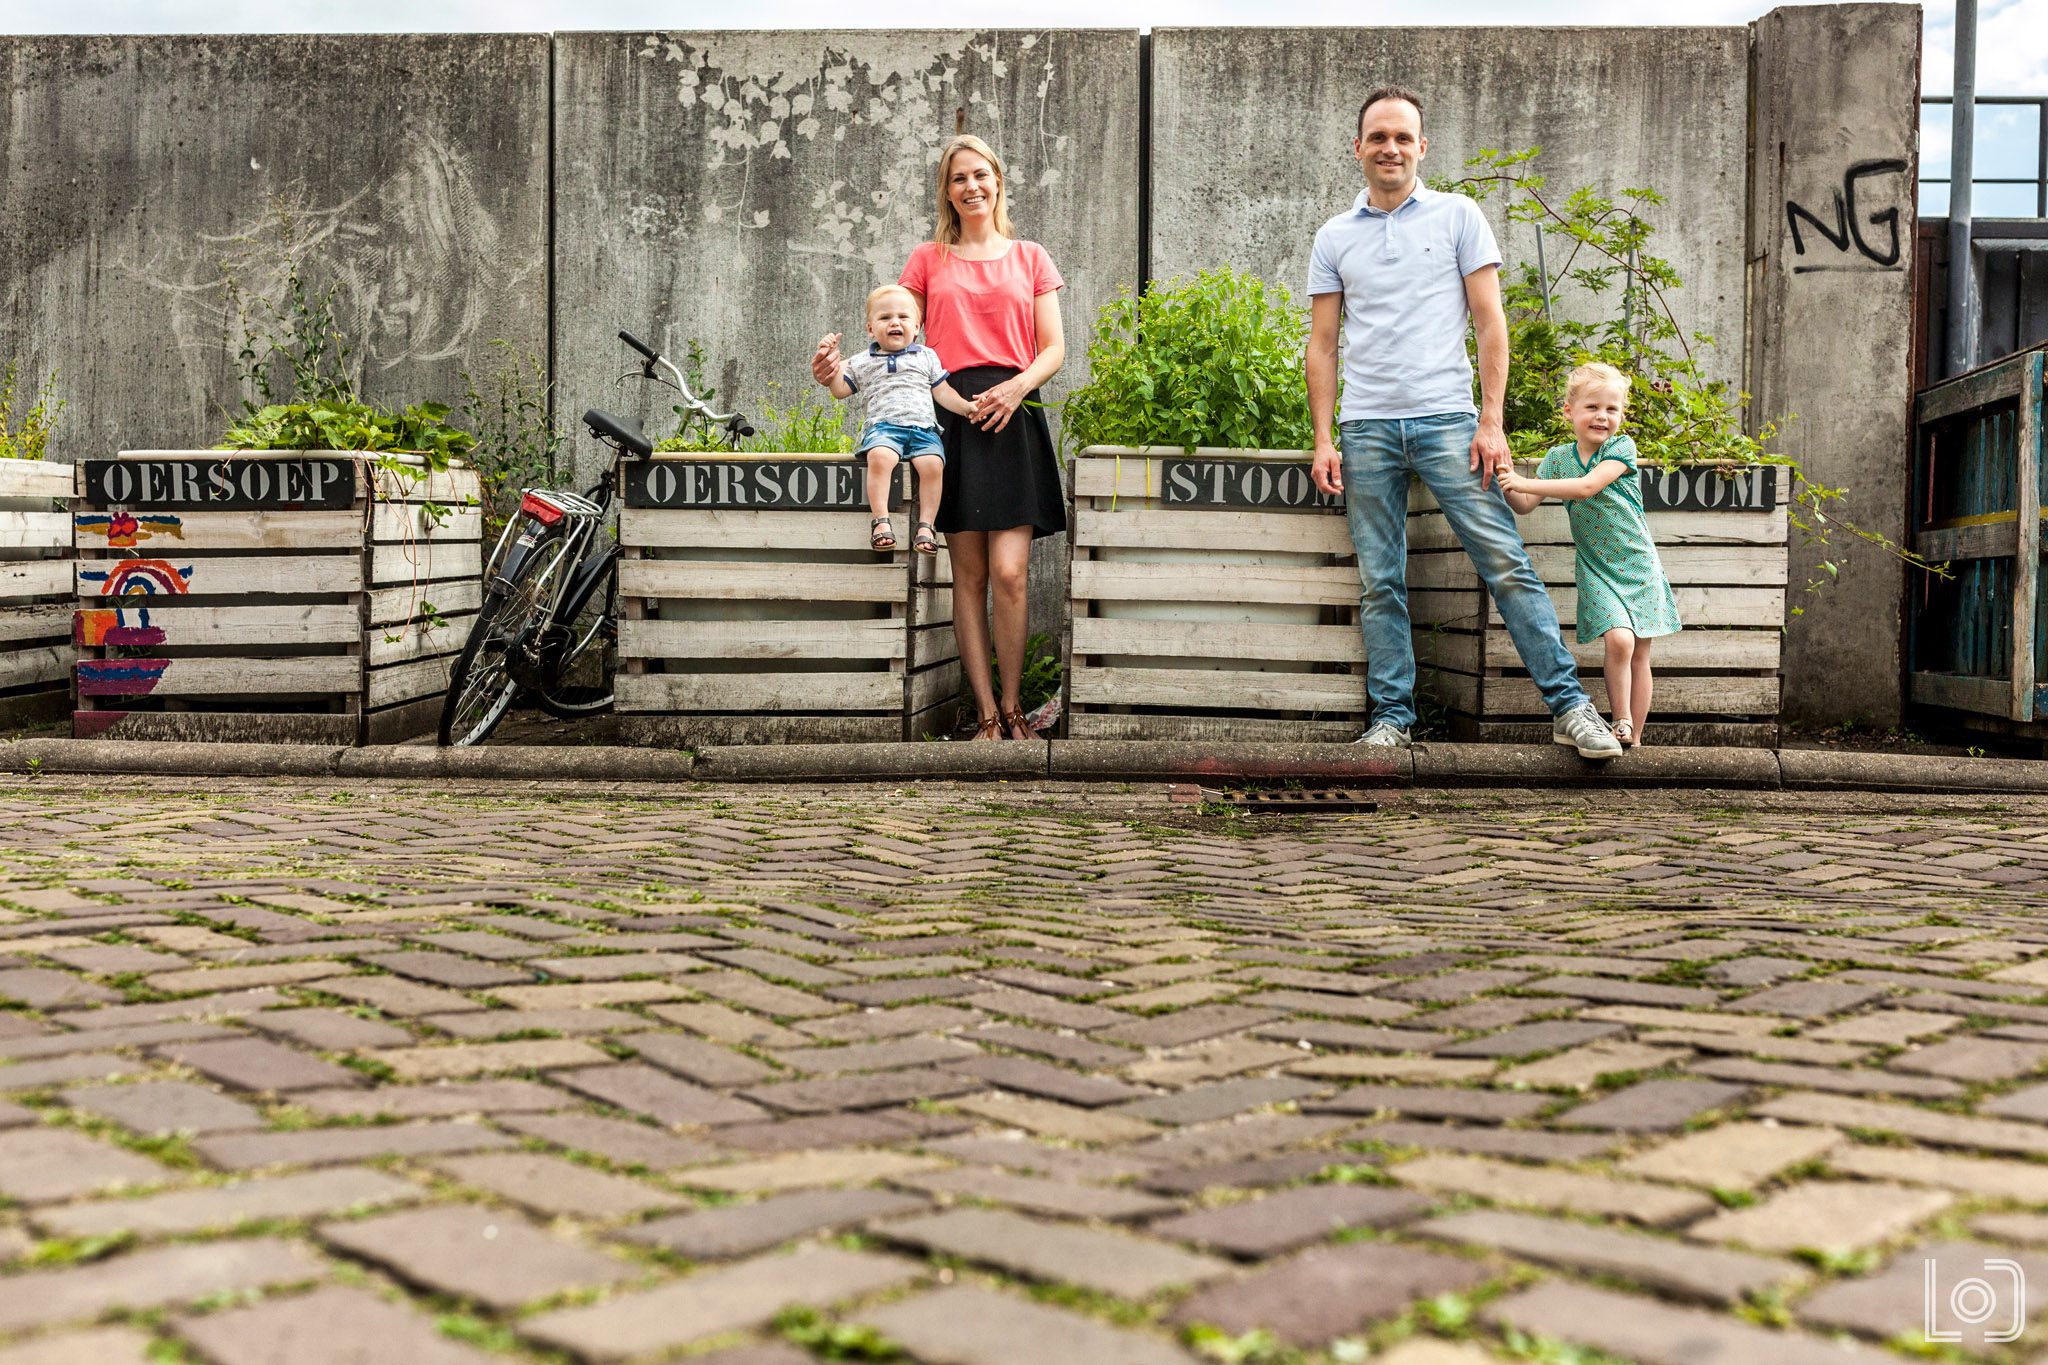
(1299, 800)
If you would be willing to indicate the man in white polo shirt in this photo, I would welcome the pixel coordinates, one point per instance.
(1398, 276)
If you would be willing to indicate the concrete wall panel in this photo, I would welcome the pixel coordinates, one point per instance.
(1835, 162)
(1252, 131)
(142, 174)
(747, 189)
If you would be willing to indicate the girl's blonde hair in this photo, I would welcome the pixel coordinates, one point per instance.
(1591, 373)
(948, 231)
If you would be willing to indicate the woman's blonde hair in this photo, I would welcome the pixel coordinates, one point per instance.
(1591, 373)
(948, 232)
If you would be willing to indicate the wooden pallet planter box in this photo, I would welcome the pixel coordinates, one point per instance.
(1215, 598)
(754, 613)
(35, 590)
(1977, 640)
(1722, 535)
(280, 596)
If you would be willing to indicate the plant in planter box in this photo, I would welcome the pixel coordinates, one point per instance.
(1675, 412)
(1210, 361)
(25, 435)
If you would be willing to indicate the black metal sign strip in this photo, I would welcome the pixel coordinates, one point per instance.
(758, 485)
(1260, 484)
(172, 484)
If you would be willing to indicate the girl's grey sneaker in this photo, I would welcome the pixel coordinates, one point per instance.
(1581, 728)
(1382, 735)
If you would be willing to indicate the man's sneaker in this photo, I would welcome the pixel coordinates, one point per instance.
(1384, 735)
(1581, 728)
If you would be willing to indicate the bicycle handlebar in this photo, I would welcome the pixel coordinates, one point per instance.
(682, 385)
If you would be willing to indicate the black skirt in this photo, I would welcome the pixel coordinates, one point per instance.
(997, 480)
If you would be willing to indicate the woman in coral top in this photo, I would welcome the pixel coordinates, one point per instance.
(990, 303)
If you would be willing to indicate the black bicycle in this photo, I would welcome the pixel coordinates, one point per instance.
(548, 627)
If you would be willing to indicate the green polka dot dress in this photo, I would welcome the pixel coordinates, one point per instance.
(1621, 580)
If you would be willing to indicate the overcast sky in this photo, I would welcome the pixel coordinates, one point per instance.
(2013, 54)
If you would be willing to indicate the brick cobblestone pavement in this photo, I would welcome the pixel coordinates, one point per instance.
(305, 1074)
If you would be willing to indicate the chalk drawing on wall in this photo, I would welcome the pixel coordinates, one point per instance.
(415, 257)
(863, 105)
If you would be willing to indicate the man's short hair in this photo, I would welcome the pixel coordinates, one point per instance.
(1389, 92)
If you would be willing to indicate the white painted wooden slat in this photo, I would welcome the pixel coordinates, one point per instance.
(35, 530)
(645, 639)
(1111, 581)
(248, 677)
(228, 575)
(1730, 695)
(742, 692)
(692, 578)
(43, 663)
(1733, 650)
(395, 606)
(1218, 639)
(1697, 606)
(798, 533)
(174, 533)
(425, 561)
(409, 681)
(398, 644)
(407, 521)
(40, 622)
(35, 578)
(1247, 690)
(37, 479)
(186, 626)
(1198, 531)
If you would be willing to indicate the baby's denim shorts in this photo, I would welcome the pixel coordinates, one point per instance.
(905, 442)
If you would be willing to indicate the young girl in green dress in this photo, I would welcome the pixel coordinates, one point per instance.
(1624, 598)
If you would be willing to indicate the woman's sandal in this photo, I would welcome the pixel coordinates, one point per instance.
(990, 728)
(1014, 721)
(1625, 732)
(880, 537)
(925, 540)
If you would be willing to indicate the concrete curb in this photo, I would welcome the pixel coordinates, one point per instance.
(1821, 770)
(1140, 760)
(1427, 766)
(169, 758)
(520, 762)
(1552, 765)
(1010, 760)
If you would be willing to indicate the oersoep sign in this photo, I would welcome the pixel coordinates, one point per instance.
(833, 485)
(226, 484)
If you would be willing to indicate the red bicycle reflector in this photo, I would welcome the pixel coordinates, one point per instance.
(546, 513)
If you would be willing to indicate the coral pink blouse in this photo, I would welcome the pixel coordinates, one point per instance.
(982, 312)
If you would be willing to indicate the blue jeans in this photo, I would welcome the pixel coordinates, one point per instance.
(1379, 455)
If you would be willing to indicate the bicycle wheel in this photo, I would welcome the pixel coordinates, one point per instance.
(481, 685)
(580, 681)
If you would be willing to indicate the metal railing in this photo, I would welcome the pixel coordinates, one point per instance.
(2039, 180)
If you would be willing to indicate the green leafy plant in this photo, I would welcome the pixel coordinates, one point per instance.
(344, 424)
(1209, 361)
(516, 438)
(1622, 313)
(811, 423)
(25, 435)
(1042, 673)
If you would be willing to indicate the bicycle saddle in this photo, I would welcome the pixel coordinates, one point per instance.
(627, 433)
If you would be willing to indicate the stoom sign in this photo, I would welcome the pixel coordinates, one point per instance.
(1240, 483)
(760, 485)
(1244, 483)
(302, 483)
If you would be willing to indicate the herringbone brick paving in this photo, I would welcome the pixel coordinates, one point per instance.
(980, 1076)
